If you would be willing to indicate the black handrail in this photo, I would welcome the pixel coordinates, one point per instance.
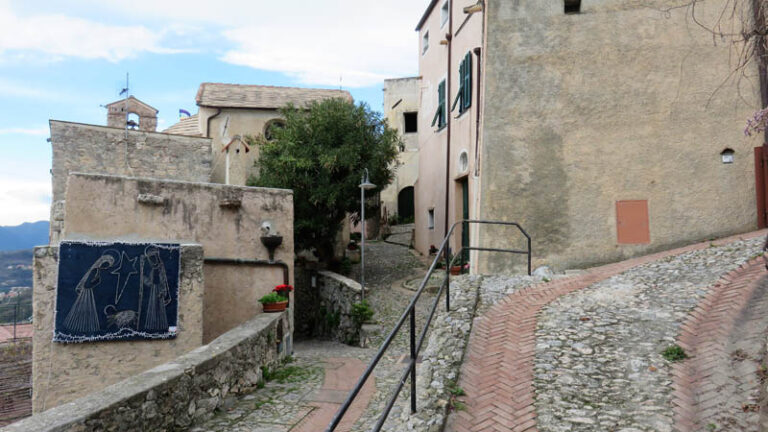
(410, 312)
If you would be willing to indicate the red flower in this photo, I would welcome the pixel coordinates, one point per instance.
(283, 289)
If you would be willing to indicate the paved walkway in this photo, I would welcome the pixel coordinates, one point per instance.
(311, 389)
(499, 372)
(719, 388)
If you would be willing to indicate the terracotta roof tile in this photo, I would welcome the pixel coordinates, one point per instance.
(186, 126)
(258, 96)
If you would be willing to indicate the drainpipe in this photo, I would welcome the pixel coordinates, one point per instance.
(478, 51)
(208, 123)
(449, 37)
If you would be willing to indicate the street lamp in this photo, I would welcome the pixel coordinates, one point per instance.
(364, 185)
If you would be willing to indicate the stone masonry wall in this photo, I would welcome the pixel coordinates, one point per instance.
(174, 395)
(325, 310)
(105, 150)
(226, 220)
(64, 372)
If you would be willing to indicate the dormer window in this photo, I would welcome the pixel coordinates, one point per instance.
(572, 6)
(445, 13)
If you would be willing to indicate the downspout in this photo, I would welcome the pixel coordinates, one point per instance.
(208, 123)
(478, 52)
(449, 37)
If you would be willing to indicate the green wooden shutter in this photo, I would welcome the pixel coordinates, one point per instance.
(467, 82)
(441, 103)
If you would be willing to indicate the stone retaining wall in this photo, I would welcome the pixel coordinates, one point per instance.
(175, 395)
(324, 306)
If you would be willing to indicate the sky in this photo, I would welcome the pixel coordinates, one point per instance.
(65, 60)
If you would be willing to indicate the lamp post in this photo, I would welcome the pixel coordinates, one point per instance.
(365, 184)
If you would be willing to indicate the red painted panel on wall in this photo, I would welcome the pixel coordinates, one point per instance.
(632, 224)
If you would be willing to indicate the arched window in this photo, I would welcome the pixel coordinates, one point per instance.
(271, 126)
(727, 156)
(133, 121)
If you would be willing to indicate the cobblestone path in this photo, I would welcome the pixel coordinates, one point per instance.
(583, 353)
(323, 373)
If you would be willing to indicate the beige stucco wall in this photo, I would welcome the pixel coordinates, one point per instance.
(401, 96)
(619, 102)
(108, 208)
(431, 184)
(64, 372)
(105, 150)
(226, 125)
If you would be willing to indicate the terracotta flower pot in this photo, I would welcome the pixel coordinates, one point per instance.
(275, 307)
(456, 270)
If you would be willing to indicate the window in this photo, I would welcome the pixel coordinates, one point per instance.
(411, 120)
(445, 13)
(271, 127)
(440, 115)
(424, 43)
(727, 156)
(464, 96)
(431, 219)
(572, 6)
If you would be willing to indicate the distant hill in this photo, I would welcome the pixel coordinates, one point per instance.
(24, 236)
(15, 270)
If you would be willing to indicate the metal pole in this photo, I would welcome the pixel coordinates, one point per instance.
(15, 318)
(362, 242)
(413, 360)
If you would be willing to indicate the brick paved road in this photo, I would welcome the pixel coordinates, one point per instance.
(498, 371)
(718, 388)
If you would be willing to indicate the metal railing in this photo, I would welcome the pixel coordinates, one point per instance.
(12, 315)
(410, 313)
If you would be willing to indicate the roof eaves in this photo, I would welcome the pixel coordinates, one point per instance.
(424, 17)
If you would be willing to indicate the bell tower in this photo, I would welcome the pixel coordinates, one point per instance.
(131, 113)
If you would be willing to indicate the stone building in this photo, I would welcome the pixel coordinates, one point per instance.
(603, 130)
(131, 113)
(118, 186)
(401, 109)
(229, 112)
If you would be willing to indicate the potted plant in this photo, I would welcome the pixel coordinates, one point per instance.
(273, 302)
(284, 290)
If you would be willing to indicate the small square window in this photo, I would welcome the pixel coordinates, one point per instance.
(572, 6)
(431, 219)
(424, 43)
(445, 13)
(411, 122)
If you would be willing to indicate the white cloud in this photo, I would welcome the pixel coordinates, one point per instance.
(24, 201)
(64, 36)
(41, 131)
(317, 42)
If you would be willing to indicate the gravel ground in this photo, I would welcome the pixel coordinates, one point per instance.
(598, 359)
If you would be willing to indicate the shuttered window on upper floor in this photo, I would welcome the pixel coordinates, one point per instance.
(440, 115)
(464, 95)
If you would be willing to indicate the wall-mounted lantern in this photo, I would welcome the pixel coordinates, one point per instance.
(727, 156)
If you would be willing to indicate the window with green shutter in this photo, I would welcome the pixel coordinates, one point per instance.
(440, 115)
(464, 95)
(466, 83)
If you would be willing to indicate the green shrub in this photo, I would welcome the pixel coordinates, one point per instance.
(361, 312)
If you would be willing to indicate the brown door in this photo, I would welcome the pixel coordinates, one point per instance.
(760, 187)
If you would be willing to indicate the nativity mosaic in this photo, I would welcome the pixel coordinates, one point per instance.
(117, 291)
